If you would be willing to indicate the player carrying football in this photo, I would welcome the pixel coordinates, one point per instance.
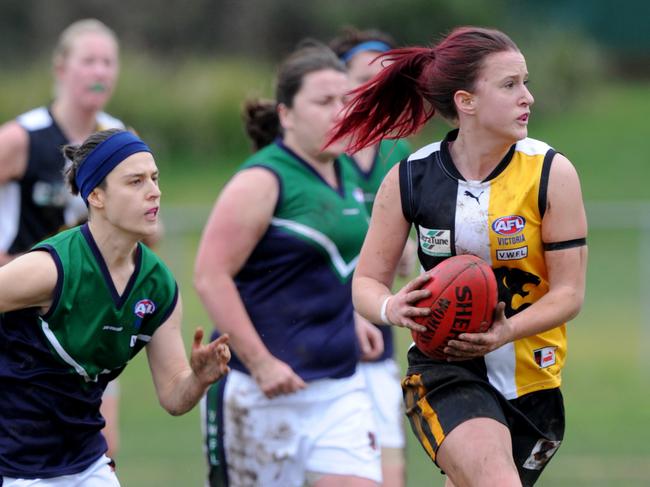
(488, 190)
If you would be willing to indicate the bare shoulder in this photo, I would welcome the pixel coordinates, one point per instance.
(565, 217)
(563, 167)
(13, 136)
(253, 190)
(14, 143)
(254, 179)
(39, 262)
(243, 210)
(28, 281)
(389, 189)
(564, 182)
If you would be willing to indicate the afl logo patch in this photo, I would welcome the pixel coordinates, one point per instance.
(509, 225)
(359, 197)
(144, 307)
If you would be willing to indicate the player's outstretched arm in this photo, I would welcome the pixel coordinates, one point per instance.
(27, 282)
(179, 383)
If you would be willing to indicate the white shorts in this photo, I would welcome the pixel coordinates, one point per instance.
(99, 474)
(326, 428)
(385, 390)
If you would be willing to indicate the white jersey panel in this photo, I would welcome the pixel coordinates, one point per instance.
(424, 151)
(36, 119)
(532, 147)
(472, 237)
(105, 122)
(471, 229)
(9, 214)
(501, 370)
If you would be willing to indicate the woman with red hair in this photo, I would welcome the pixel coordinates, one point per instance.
(492, 413)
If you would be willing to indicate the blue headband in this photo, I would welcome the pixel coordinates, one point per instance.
(378, 46)
(104, 158)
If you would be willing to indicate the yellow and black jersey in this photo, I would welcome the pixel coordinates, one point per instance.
(498, 219)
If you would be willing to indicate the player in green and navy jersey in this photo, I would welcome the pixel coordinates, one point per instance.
(274, 269)
(77, 308)
(34, 202)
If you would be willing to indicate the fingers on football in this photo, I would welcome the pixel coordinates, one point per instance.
(417, 295)
(412, 325)
(418, 282)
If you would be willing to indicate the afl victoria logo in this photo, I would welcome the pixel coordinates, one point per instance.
(509, 225)
(144, 307)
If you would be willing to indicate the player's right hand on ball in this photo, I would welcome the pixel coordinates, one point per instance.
(401, 308)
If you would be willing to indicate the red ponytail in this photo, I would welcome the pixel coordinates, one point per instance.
(391, 104)
(418, 82)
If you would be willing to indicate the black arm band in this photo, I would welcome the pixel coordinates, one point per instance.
(567, 244)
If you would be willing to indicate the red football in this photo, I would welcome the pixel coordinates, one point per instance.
(463, 297)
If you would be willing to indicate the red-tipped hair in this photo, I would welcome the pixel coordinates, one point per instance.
(417, 83)
(390, 105)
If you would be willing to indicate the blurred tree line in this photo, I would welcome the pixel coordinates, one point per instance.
(188, 65)
(268, 28)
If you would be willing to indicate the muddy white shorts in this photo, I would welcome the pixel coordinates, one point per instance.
(383, 381)
(326, 428)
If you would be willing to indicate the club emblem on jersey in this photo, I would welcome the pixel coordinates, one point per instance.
(509, 225)
(359, 197)
(514, 287)
(144, 307)
(435, 242)
(545, 357)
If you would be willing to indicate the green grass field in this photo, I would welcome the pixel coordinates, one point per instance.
(605, 381)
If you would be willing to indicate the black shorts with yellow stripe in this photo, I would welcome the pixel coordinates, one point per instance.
(441, 395)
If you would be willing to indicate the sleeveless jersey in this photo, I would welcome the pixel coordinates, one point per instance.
(43, 195)
(389, 153)
(54, 367)
(498, 219)
(296, 284)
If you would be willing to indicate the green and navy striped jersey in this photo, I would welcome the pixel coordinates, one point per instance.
(296, 284)
(54, 367)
